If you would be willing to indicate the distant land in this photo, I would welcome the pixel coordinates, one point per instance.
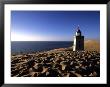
(91, 45)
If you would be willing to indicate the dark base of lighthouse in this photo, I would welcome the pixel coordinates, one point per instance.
(78, 43)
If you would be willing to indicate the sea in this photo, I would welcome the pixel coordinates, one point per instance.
(18, 47)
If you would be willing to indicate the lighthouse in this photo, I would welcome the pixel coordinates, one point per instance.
(78, 42)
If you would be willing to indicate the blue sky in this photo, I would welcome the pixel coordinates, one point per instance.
(53, 25)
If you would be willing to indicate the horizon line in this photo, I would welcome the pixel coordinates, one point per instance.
(66, 40)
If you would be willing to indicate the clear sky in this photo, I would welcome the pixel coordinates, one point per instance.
(53, 25)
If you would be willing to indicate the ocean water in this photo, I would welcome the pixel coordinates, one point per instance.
(35, 46)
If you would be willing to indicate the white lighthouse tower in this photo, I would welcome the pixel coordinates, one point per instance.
(78, 44)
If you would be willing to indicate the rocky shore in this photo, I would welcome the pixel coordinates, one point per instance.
(61, 62)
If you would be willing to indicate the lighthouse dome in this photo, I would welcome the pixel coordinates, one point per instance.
(78, 32)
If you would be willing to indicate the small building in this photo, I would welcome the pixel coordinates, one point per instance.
(78, 44)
